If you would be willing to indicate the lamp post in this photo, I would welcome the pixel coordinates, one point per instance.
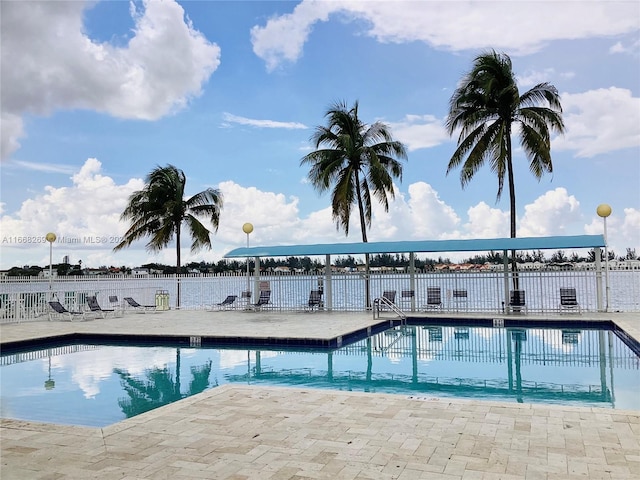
(604, 211)
(50, 237)
(248, 228)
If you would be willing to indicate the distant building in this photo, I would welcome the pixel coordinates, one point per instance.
(96, 271)
(281, 269)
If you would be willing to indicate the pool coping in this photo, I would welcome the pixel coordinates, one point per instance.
(318, 341)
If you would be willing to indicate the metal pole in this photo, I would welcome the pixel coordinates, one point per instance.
(604, 211)
(50, 237)
(248, 228)
(606, 266)
(50, 267)
(248, 279)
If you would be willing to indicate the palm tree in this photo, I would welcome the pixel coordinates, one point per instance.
(358, 161)
(159, 211)
(485, 108)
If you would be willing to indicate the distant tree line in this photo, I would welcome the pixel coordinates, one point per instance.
(308, 265)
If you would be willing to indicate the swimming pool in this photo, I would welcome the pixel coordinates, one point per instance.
(97, 385)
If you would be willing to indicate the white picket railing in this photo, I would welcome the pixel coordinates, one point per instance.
(25, 298)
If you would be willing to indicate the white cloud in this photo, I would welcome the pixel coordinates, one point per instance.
(43, 167)
(487, 222)
(55, 65)
(632, 48)
(600, 121)
(531, 77)
(90, 208)
(432, 218)
(447, 25)
(11, 130)
(553, 213)
(230, 118)
(283, 37)
(419, 131)
(81, 215)
(630, 229)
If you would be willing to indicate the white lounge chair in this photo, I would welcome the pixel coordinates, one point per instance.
(264, 299)
(569, 300)
(94, 307)
(315, 300)
(434, 298)
(59, 311)
(517, 303)
(226, 304)
(140, 308)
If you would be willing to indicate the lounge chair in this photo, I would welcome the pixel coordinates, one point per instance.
(117, 307)
(388, 299)
(226, 303)
(60, 312)
(94, 307)
(245, 298)
(315, 300)
(517, 301)
(434, 298)
(139, 308)
(460, 297)
(265, 299)
(407, 299)
(569, 300)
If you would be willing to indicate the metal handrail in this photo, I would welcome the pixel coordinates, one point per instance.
(382, 301)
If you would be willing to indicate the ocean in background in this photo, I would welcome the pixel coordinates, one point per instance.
(485, 289)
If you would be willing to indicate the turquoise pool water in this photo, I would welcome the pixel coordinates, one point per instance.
(97, 385)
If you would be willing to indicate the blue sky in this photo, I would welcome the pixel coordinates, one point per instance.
(99, 93)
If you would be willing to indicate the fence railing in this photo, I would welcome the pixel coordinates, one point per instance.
(26, 298)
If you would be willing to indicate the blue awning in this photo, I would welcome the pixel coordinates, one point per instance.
(422, 246)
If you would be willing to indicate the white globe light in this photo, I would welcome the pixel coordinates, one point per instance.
(603, 210)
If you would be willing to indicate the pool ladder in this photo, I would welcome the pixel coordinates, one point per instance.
(386, 304)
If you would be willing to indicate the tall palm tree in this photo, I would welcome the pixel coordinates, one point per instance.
(159, 211)
(358, 161)
(487, 108)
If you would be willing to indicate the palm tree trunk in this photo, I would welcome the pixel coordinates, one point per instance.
(512, 203)
(178, 264)
(363, 228)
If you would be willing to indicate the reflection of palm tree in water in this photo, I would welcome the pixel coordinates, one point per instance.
(160, 388)
(518, 339)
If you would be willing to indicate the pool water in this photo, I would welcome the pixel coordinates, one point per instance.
(98, 385)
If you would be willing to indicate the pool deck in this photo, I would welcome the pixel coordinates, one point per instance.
(245, 432)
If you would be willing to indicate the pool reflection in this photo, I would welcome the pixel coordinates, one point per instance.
(99, 385)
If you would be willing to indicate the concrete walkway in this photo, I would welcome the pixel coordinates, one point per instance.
(242, 432)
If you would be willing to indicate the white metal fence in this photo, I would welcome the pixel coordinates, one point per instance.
(25, 298)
